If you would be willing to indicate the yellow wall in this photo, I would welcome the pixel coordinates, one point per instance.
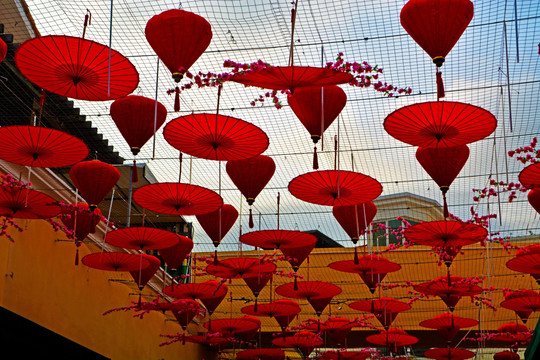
(42, 284)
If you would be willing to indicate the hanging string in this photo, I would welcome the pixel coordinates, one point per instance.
(110, 52)
(240, 225)
(508, 77)
(278, 197)
(42, 98)
(180, 156)
(87, 21)
(293, 23)
(155, 112)
(108, 217)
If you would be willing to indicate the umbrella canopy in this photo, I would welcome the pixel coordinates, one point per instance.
(187, 313)
(76, 68)
(248, 335)
(236, 268)
(393, 339)
(371, 268)
(449, 288)
(275, 239)
(335, 187)
(177, 198)
(529, 177)
(261, 354)
(506, 355)
(527, 260)
(317, 293)
(305, 341)
(440, 124)
(449, 353)
(448, 325)
(115, 261)
(445, 233)
(213, 340)
(337, 329)
(385, 309)
(291, 77)
(94, 179)
(142, 238)
(211, 293)
(523, 302)
(40, 147)
(274, 309)
(137, 118)
(215, 137)
(436, 25)
(354, 219)
(80, 219)
(23, 203)
(216, 224)
(231, 327)
(174, 256)
(512, 333)
(345, 355)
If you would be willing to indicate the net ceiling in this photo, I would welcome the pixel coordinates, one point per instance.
(482, 69)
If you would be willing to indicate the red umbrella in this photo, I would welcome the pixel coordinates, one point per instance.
(529, 177)
(335, 187)
(179, 38)
(236, 268)
(248, 335)
(354, 219)
(115, 261)
(40, 147)
(231, 327)
(213, 340)
(449, 288)
(275, 239)
(209, 292)
(185, 315)
(317, 293)
(385, 309)
(134, 116)
(282, 310)
(174, 256)
(251, 176)
(449, 353)
(143, 275)
(76, 68)
(522, 308)
(393, 339)
(337, 328)
(3, 50)
(436, 25)
(261, 354)
(297, 254)
(23, 203)
(177, 198)
(217, 223)
(156, 305)
(215, 137)
(506, 355)
(345, 355)
(440, 124)
(534, 199)
(142, 238)
(317, 108)
(94, 179)
(512, 333)
(527, 261)
(82, 221)
(371, 268)
(445, 234)
(305, 341)
(448, 325)
(443, 164)
(257, 282)
(291, 77)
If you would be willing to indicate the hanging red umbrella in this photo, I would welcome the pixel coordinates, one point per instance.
(523, 302)
(354, 219)
(275, 239)
(143, 275)
(512, 333)
(76, 68)
(261, 354)
(335, 187)
(305, 341)
(283, 311)
(40, 147)
(213, 340)
(393, 339)
(211, 293)
(248, 335)
(188, 313)
(236, 268)
(291, 77)
(371, 268)
(436, 25)
(3, 50)
(527, 261)
(177, 198)
(174, 256)
(448, 325)
(142, 238)
(317, 293)
(449, 353)
(449, 288)
(447, 254)
(443, 164)
(179, 38)
(215, 137)
(297, 254)
(115, 261)
(317, 108)
(134, 116)
(250, 176)
(534, 199)
(232, 326)
(94, 179)
(23, 203)
(82, 221)
(345, 355)
(445, 233)
(506, 355)
(217, 223)
(337, 329)
(529, 177)
(257, 282)
(440, 124)
(385, 309)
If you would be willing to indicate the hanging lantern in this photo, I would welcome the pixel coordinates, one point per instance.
(94, 179)
(179, 38)
(317, 108)
(443, 164)
(82, 221)
(175, 255)
(437, 26)
(250, 176)
(3, 50)
(217, 223)
(534, 199)
(144, 274)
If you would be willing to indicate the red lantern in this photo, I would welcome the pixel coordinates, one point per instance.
(534, 199)
(217, 223)
(82, 221)
(179, 38)
(317, 108)
(3, 50)
(354, 219)
(175, 255)
(94, 179)
(251, 176)
(144, 274)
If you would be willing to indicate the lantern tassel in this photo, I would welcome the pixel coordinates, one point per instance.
(251, 223)
(315, 159)
(77, 256)
(177, 99)
(216, 261)
(295, 287)
(445, 207)
(183, 339)
(139, 302)
(356, 256)
(440, 85)
(134, 175)
(255, 307)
